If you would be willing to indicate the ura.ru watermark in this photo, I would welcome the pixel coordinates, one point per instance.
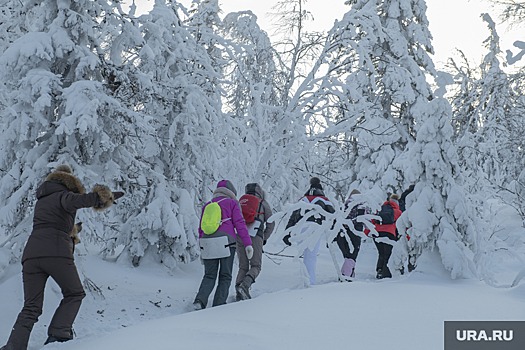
(484, 335)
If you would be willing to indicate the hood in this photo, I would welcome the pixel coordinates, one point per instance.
(255, 189)
(393, 204)
(224, 192)
(59, 181)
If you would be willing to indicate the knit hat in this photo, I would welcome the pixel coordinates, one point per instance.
(227, 184)
(315, 183)
(64, 168)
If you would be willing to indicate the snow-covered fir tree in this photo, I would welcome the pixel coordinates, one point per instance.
(206, 26)
(40, 70)
(9, 26)
(494, 104)
(483, 99)
(60, 83)
(165, 104)
(401, 128)
(251, 84)
(174, 85)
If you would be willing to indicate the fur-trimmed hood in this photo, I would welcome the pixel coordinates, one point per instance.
(56, 181)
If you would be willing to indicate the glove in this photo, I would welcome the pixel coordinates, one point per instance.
(74, 233)
(249, 252)
(117, 195)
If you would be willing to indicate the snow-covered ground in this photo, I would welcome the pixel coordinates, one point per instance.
(149, 307)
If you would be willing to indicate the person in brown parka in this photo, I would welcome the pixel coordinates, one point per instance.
(49, 253)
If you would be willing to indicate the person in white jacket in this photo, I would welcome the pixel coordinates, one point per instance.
(314, 195)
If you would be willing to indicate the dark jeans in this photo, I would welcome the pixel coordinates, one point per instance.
(222, 268)
(384, 252)
(35, 273)
(342, 242)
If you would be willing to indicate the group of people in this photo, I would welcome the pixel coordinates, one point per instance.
(235, 234)
(349, 238)
(232, 233)
(228, 227)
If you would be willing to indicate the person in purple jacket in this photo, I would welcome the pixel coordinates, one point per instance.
(218, 248)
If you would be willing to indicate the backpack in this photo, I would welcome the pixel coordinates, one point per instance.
(387, 214)
(354, 213)
(211, 218)
(250, 205)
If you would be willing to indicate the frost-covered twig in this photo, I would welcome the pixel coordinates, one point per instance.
(91, 286)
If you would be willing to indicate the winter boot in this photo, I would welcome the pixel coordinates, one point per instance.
(379, 274)
(348, 269)
(197, 305)
(243, 289)
(238, 296)
(53, 339)
(385, 272)
(411, 263)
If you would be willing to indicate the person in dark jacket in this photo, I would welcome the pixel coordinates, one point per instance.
(314, 195)
(260, 230)
(350, 256)
(49, 253)
(386, 232)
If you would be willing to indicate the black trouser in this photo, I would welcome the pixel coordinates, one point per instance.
(384, 251)
(213, 268)
(342, 242)
(35, 273)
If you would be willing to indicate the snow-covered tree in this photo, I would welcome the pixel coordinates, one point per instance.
(512, 12)
(176, 85)
(61, 81)
(400, 126)
(253, 86)
(483, 100)
(299, 59)
(494, 104)
(9, 26)
(34, 77)
(208, 29)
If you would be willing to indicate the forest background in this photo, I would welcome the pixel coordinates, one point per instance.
(164, 104)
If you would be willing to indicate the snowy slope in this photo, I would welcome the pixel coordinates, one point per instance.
(147, 308)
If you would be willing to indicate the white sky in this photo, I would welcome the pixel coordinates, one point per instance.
(453, 23)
